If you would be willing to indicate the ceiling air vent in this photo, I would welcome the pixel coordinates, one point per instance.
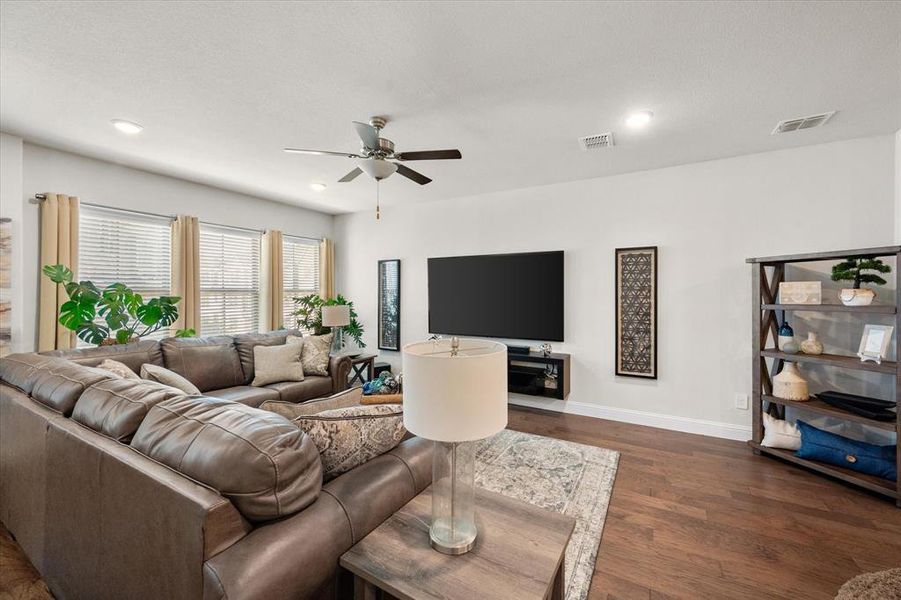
(596, 141)
(802, 123)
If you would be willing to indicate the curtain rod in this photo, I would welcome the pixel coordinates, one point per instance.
(42, 197)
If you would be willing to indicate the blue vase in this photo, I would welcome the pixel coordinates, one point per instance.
(786, 335)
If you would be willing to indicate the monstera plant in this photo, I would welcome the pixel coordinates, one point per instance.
(114, 314)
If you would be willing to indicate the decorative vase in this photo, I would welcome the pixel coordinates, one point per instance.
(857, 297)
(789, 385)
(812, 345)
(790, 347)
(786, 335)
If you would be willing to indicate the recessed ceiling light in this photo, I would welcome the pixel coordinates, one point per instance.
(126, 126)
(318, 186)
(639, 119)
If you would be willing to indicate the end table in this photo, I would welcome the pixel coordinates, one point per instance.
(360, 364)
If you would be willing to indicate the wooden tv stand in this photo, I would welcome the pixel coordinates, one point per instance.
(527, 374)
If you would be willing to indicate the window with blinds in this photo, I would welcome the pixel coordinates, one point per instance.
(125, 247)
(300, 277)
(229, 280)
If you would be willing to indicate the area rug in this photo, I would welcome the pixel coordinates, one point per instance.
(18, 579)
(560, 476)
(881, 585)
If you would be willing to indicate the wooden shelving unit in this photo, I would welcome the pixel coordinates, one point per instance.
(768, 272)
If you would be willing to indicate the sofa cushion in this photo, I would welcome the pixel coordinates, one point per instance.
(315, 353)
(264, 464)
(314, 386)
(274, 364)
(349, 437)
(246, 342)
(168, 377)
(116, 408)
(132, 355)
(60, 384)
(210, 363)
(22, 370)
(245, 394)
(292, 410)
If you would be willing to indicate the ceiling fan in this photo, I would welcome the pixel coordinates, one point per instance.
(376, 154)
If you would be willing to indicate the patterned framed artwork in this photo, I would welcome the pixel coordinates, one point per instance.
(389, 304)
(636, 312)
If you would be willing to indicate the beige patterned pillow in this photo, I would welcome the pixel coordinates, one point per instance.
(348, 437)
(292, 410)
(314, 355)
(118, 369)
(166, 377)
(274, 364)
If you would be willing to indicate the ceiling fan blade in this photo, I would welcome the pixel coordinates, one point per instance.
(369, 135)
(428, 155)
(322, 152)
(414, 175)
(350, 176)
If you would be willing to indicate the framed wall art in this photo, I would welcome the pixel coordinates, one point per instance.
(389, 304)
(636, 312)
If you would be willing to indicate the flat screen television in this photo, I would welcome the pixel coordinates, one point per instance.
(514, 296)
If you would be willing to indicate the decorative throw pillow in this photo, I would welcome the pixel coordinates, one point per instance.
(348, 437)
(780, 434)
(292, 410)
(167, 377)
(314, 354)
(272, 364)
(118, 369)
(835, 449)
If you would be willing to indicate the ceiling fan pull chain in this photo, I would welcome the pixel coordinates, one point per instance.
(377, 201)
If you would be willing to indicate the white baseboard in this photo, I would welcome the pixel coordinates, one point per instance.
(684, 424)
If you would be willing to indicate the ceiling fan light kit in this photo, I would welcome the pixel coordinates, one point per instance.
(376, 154)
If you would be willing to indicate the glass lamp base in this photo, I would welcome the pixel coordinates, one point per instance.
(453, 528)
(337, 341)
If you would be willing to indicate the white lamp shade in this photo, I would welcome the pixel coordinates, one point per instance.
(377, 168)
(455, 398)
(337, 315)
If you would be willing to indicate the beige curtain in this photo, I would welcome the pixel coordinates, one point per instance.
(272, 285)
(59, 246)
(327, 269)
(186, 271)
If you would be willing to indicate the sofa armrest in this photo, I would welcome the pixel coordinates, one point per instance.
(338, 370)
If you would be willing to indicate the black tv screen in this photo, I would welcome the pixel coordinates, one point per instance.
(515, 296)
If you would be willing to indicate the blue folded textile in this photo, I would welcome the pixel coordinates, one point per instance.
(827, 447)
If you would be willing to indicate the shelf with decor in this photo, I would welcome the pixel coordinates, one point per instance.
(768, 361)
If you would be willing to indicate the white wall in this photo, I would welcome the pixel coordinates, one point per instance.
(706, 219)
(11, 208)
(99, 182)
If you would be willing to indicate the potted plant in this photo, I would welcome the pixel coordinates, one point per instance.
(853, 269)
(113, 315)
(309, 316)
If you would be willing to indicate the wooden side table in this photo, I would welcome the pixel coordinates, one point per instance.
(519, 553)
(360, 364)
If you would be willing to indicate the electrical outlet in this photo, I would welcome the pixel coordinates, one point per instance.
(741, 401)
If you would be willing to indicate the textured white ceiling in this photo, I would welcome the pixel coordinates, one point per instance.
(221, 87)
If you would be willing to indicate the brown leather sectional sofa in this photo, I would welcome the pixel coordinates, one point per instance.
(220, 366)
(129, 489)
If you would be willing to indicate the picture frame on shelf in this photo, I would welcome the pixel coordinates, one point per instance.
(874, 343)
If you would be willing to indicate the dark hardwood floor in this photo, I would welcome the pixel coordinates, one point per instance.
(703, 518)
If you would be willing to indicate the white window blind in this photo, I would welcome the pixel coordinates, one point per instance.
(119, 246)
(300, 277)
(229, 280)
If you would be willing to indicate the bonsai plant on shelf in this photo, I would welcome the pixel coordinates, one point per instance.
(309, 316)
(853, 269)
(124, 316)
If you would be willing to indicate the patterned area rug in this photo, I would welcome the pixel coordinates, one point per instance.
(561, 476)
(18, 579)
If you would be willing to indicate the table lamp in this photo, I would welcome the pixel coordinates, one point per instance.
(336, 316)
(455, 392)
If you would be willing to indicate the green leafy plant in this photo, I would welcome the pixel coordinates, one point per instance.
(309, 316)
(852, 269)
(124, 313)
